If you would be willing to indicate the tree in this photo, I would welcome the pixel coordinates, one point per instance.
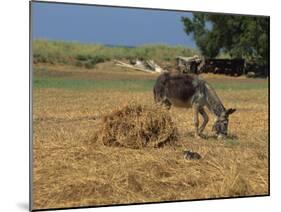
(239, 36)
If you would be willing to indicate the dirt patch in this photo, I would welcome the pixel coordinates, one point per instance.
(137, 126)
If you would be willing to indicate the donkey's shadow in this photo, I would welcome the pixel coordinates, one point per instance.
(211, 136)
(228, 137)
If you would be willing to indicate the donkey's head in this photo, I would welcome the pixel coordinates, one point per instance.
(221, 124)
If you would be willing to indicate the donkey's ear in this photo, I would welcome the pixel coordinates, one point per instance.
(230, 111)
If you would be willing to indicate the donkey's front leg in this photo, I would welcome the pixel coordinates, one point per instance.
(195, 119)
(205, 120)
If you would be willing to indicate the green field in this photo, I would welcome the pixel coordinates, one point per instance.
(73, 84)
(128, 85)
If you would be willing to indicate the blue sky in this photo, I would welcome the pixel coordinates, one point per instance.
(108, 25)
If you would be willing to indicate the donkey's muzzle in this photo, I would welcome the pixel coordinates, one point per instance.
(221, 136)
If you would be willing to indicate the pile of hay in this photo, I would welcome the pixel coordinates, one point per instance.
(137, 126)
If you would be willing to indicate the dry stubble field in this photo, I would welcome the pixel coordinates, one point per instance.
(71, 169)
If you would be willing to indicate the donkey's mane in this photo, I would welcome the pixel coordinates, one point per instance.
(213, 101)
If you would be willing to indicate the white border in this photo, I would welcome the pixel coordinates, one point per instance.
(14, 54)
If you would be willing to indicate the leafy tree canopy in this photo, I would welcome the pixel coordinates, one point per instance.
(239, 36)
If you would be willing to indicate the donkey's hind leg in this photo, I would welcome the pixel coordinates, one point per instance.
(166, 103)
(205, 120)
(195, 108)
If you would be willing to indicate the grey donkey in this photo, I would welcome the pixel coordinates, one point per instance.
(191, 91)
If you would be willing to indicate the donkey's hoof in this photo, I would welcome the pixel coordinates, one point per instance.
(197, 136)
(221, 137)
(203, 136)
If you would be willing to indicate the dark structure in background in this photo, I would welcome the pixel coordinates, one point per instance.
(231, 67)
(197, 65)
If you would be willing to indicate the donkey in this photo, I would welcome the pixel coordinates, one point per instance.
(191, 91)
